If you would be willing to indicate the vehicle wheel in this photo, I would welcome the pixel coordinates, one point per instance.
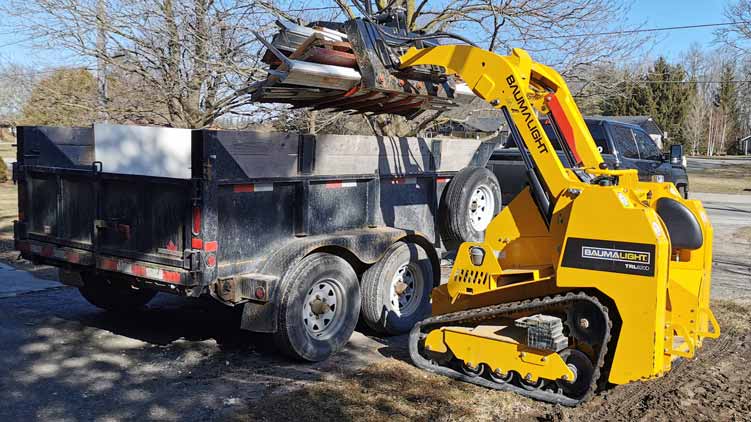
(320, 303)
(683, 190)
(396, 289)
(103, 293)
(471, 200)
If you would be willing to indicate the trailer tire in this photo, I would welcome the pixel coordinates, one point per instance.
(308, 290)
(383, 309)
(471, 200)
(111, 296)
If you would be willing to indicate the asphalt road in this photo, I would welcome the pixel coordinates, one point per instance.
(695, 164)
(63, 359)
(731, 220)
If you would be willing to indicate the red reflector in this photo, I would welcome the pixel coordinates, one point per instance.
(109, 264)
(48, 251)
(171, 276)
(260, 293)
(211, 246)
(138, 270)
(243, 188)
(196, 243)
(197, 220)
(334, 185)
(211, 261)
(72, 257)
(442, 180)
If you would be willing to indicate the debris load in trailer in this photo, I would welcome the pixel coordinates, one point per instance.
(351, 67)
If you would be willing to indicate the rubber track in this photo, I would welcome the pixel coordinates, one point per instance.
(495, 311)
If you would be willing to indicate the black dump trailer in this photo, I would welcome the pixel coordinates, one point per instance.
(307, 233)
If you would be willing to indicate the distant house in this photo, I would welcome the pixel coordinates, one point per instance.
(744, 146)
(645, 122)
(7, 131)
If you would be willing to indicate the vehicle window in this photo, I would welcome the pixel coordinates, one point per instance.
(624, 141)
(598, 134)
(647, 148)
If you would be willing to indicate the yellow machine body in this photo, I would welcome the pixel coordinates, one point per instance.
(606, 239)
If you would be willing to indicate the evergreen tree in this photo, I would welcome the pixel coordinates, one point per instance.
(726, 99)
(663, 92)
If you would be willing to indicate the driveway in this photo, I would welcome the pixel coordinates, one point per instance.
(184, 359)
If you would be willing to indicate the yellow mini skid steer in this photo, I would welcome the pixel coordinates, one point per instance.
(588, 276)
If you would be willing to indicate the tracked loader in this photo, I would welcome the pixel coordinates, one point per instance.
(588, 277)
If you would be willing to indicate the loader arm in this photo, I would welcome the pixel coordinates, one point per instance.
(520, 87)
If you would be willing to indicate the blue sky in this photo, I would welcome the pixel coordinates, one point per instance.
(653, 13)
(664, 13)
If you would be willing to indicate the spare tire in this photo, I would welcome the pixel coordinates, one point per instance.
(468, 205)
(113, 296)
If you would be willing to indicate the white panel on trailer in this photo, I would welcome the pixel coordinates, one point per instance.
(143, 150)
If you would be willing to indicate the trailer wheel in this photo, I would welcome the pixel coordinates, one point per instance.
(396, 289)
(471, 200)
(320, 304)
(103, 293)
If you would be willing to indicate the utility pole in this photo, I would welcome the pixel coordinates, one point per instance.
(101, 65)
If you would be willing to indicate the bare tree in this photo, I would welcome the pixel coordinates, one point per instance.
(16, 83)
(582, 39)
(193, 58)
(568, 35)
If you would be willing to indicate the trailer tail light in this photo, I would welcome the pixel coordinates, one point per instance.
(196, 243)
(196, 221)
(171, 276)
(260, 293)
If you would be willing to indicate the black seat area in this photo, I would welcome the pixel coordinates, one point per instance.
(683, 227)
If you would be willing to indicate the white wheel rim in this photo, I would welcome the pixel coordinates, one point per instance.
(321, 313)
(481, 207)
(404, 289)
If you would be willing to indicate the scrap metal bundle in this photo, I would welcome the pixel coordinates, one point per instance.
(350, 69)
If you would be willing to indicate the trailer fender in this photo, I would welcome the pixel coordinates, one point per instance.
(360, 248)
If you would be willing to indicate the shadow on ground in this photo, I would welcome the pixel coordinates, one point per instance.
(179, 359)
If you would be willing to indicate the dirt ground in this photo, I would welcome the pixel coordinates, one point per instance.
(720, 175)
(715, 386)
(373, 380)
